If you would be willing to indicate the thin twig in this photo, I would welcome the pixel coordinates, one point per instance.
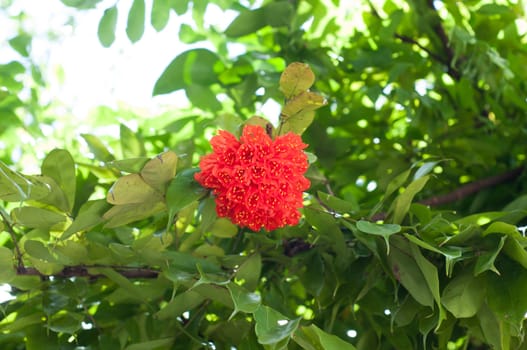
(12, 233)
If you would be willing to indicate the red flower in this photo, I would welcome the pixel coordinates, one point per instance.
(257, 181)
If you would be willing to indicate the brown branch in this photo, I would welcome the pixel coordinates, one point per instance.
(84, 271)
(473, 187)
(443, 38)
(408, 40)
(464, 191)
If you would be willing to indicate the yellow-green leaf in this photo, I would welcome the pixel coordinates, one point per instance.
(131, 189)
(296, 78)
(159, 171)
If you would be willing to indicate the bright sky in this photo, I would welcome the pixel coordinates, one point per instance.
(94, 75)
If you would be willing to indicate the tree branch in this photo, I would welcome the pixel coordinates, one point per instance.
(465, 190)
(83, 271)
(473, 187)
(443, 38)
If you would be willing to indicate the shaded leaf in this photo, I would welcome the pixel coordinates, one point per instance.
(38, 250)
(90, 214)
(34, 217)
(185, 301)
(249, 271)
(486, 260)
(464, 295)
(7, 269)
(408, 273)
(313, 338)
(223, 228)
(383, 230)
(272, 327)
(402, 203)
(126, 213)
(151, 344)
(243, 300)
(183, 190)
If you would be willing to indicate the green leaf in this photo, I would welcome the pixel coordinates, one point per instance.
(90, 214)
(272, 327)
(515, 251)
(179, 6)
(107, 24)
(503, 228)
(314, 276)
(243, 300)
(34, 217)
(183, 190)
(431, 278)
(486, 260)
(81, 4)
(223, 228)
(451, 254)
(402, 203)
(249, 272)
(275, 14)
(60, 166)
(406, 270)
(328, 227)
(15, 187)
(425, 169)
(126, 213)
(185, 301)
(383, 230)
(132, 144)
(130, 165)
(21, 43)
(464, 295)
(202, 97)
(135, 26)
(396, 183)
(313, 338)
(38, 250)
(197, 66)
(71, 253)
(7, 269)
(134, 291)
(163, 343)
(337, 204)
(160, 14)
(189, 35)
(65, 322)
(98, 148)
(295, 79)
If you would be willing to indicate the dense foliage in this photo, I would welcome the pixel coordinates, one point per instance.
(411, 237)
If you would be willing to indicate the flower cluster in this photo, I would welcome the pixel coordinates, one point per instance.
(257, 181)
